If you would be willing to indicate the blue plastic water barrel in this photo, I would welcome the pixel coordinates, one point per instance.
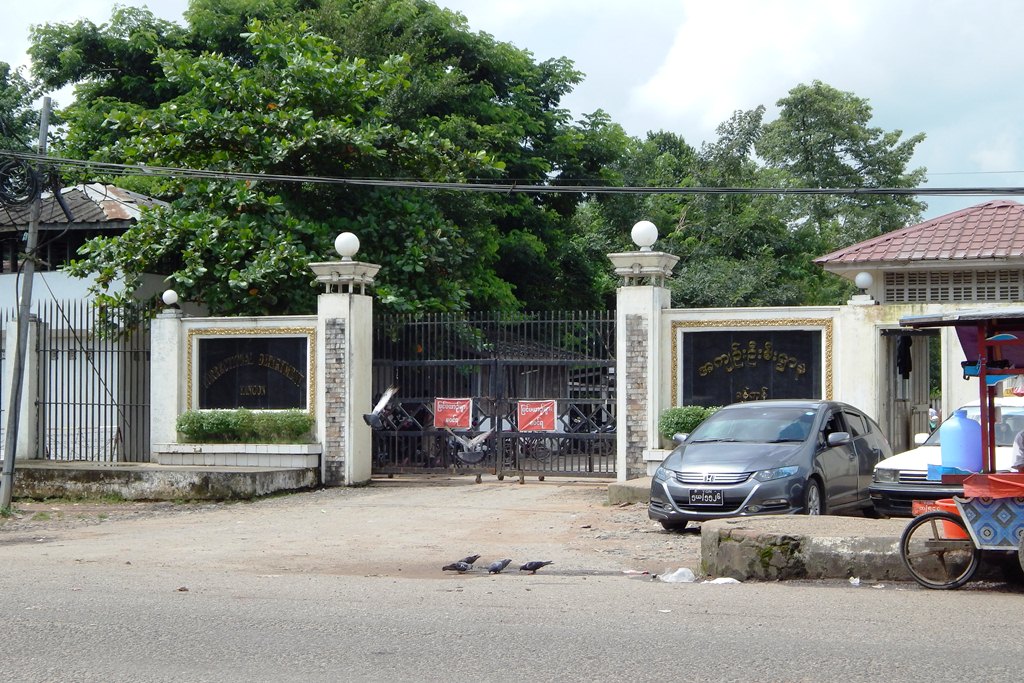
(960, 439)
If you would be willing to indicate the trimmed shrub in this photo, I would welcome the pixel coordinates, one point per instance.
(245, 426)
(683, 419)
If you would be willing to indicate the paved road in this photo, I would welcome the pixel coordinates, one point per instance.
(346, 585)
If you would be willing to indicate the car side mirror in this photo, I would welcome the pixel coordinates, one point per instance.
(920, 438)
(679, 437)
(838, 438)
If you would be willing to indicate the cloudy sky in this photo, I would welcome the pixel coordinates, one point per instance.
(947, 68)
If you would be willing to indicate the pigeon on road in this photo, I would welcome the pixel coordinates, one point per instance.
(470, 559)
(460, 567)
(532, 567)
(497, 566)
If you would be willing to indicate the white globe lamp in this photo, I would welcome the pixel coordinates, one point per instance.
(347, 245)
(644, 234)
(863, 280)
(169, 297)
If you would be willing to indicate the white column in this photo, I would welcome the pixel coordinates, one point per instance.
(344, 365)
(167, 377)
(638, 357)
(344, 392)
(28, 441)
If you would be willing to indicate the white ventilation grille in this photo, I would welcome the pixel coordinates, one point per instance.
(936, 287)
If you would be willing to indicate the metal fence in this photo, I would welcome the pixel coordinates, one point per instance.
(92, 382)
(494, 365)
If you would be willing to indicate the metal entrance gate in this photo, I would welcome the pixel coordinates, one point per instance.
(564, 361)
(93, 383)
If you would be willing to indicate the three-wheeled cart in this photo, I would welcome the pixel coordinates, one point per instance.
(943, 549)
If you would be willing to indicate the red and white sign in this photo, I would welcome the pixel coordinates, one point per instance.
(536, 416)
(453, 413)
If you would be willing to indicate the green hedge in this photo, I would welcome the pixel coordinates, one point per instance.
(683, 419)
(245, 426)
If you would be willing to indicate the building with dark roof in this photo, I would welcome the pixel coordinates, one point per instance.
(97, 209)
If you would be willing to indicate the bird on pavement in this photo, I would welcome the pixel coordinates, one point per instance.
(460, 567)
(496, 566)
(532, 567)
(373, 417)
(470, 559)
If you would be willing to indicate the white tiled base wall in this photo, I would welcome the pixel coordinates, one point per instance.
(653, 458)
(239, 455)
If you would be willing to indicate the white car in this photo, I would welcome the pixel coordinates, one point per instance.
(903, 478)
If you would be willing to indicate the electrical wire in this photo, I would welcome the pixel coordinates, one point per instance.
(507, 187)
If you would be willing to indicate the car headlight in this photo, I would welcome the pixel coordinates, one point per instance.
(887, 476)
(661, 474)
(776, 473)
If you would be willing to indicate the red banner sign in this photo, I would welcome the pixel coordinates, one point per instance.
(536, 416)
(453, 413)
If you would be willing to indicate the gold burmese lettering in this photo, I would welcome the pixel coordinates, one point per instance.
(739, 356)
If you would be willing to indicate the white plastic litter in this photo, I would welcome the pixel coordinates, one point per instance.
(854, 580)
(723, 579)
(681, 575)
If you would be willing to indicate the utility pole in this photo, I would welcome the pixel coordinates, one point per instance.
(24, 311)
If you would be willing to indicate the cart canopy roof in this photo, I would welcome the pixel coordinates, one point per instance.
(970, 323)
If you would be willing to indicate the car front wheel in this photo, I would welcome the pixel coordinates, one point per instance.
(671, 525)
(813, 503)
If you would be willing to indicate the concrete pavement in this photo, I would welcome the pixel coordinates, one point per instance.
(779, 547)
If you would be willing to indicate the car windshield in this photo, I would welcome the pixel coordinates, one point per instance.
(1010, 421)
(761, 424)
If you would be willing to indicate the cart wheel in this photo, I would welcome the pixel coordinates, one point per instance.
(938, 552)
(1020, 551)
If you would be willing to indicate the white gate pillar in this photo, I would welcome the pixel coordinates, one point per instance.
(27, 447)
(167, 367)
(639, 303)
(344, 365)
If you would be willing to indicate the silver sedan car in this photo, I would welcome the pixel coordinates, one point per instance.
(769, 457)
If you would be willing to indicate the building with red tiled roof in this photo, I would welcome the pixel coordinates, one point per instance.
(971, 255)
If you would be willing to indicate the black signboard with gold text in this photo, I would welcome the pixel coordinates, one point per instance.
(253, 372)
(723, 367)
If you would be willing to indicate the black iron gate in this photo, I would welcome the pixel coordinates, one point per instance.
(504, 369)
(93, 382)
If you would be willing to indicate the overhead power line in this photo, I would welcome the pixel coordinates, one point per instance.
(506, 187)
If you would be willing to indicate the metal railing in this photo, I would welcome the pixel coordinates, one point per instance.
(497, 361)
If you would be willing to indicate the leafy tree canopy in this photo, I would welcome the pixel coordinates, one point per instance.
(402, 89)
(344, 88)
(19, 121)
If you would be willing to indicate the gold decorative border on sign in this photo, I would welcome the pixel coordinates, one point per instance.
(308, 332)
(824, 324)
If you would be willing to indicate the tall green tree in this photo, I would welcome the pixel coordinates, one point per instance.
(19, 120)
(299, 109)
(823, 137)
(488, 106)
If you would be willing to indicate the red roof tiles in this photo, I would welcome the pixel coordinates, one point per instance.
(993, 230)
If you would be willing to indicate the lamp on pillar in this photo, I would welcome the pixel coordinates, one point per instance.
(864, 281)
(644, 234)
(347, 274)
(169, 297)
(644, 267)
(347, 245)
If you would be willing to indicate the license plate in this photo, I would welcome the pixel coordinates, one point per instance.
(706, 497)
